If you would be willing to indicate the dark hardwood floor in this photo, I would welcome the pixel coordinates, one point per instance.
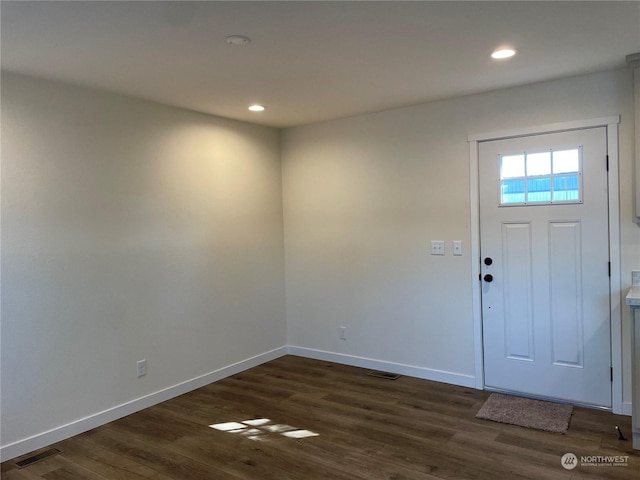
(367, 428)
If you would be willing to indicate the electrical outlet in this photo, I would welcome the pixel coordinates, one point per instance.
(437, 247)
(141, 368)
(343, 333)
(457, 248)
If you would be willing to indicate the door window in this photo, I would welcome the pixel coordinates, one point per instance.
(541, 178)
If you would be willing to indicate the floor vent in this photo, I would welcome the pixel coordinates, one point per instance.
(386, 375)
(25, 462)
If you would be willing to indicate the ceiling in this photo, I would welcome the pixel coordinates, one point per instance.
(311, 61)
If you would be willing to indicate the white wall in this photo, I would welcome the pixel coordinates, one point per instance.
(130, 230)
(364, 196)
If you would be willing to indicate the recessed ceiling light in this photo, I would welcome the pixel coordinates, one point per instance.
(257, 108)
(238, 40)
(502, 53)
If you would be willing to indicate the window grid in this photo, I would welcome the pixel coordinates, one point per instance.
(518, 187)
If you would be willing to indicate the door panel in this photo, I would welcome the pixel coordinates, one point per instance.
(517, 273)
(566, 292)
(544, 223)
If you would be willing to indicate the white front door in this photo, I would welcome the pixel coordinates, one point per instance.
(544, 265)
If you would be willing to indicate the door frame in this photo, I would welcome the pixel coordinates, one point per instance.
(615, 302)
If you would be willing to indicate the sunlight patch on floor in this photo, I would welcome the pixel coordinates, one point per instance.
(262, 427)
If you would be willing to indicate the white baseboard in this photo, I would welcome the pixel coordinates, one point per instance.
(627, 408)
(63, 432)
(411, 371)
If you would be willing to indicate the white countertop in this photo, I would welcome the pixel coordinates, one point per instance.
(633, 297)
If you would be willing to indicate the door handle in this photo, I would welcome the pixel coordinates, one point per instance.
(488, 278)
(488, 261)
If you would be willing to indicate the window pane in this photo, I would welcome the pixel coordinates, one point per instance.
(539, 190)
(512, 166)
(512, 191)
(566, 161)
(541, 177)
(566, 188)
(539, 163)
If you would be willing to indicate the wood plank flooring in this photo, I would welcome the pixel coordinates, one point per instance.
(368, 429)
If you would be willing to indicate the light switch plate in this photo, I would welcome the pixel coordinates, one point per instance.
(457, 248)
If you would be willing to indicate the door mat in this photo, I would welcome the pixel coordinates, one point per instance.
(528, 413)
